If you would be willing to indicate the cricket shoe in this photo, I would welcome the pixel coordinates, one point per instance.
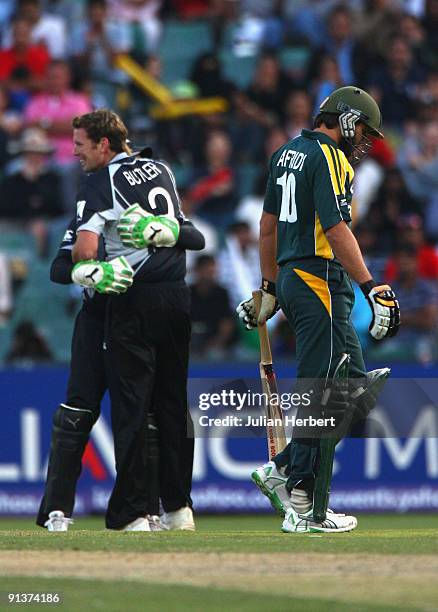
(179, 520)
(304, 523)
(139, 524)
(155, 523)
(272, 483)
(57, 521)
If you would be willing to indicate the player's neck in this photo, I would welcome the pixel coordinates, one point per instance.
(333, 133)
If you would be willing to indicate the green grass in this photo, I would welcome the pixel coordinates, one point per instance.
(132, 596)
(381, 534)
(410, 588)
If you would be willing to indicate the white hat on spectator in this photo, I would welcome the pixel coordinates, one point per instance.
(34, 140)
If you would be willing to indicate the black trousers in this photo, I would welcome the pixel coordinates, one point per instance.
(85, 389)
(147, 338)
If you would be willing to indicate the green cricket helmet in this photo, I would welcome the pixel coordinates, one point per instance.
(354, 100)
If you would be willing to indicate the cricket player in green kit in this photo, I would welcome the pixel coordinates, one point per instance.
(307, 256)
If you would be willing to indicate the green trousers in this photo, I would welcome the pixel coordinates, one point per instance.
(317, 298)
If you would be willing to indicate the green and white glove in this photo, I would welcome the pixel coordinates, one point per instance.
(111, 277)
(139, 229)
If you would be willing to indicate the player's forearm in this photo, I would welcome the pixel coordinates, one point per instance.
(347, 251)
(190, 238)
(61, 269)
(268, 247)
(86, 246)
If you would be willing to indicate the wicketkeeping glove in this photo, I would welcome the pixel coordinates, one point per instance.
(111, 277)
(139, 229)
(385, 309)
(247, 312)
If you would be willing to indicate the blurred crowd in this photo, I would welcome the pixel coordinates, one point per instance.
(274, 62)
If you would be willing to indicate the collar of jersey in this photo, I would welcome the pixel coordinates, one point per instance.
(319, 136)
(118, 157)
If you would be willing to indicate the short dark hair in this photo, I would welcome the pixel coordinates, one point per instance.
(203, 260)
(330, 120)
(104, 123)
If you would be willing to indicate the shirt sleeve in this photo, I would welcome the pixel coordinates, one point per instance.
(91, 207)
(69, 237)
(328, 192)
(270, 204)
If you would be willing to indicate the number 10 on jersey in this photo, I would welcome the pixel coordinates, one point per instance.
(288, 211)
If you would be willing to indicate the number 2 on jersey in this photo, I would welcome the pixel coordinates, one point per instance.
(288, 210)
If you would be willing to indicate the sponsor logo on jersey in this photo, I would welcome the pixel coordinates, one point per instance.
(68, 236)
(80, 208)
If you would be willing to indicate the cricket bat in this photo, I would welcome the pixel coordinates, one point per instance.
(275, 433)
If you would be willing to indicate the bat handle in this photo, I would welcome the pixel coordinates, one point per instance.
(257, 297)
(265, 347)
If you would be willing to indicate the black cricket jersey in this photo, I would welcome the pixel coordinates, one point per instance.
(128, 180)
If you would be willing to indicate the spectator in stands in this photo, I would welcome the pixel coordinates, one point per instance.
(298, 112)
(32, 59)
(327, 79)
(10, 125)
(213, 194)
(28, 346)
(340, 44)
(259, 108)
(265, 97)
(213, 324)
(142, 19)
(411, 233)
(427, 98)
(418, 160)
(53, 110)
(33, 194)
(390, 208)
(374, 24)
(410, 28)
(238, 262)
(394, 83)
(207, 76)
(93, 45)
(419, 304)
(46, 29)
(430, 24)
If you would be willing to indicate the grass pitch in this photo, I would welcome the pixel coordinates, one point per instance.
(230, 563)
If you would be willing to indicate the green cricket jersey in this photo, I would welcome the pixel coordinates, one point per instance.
(309, 189)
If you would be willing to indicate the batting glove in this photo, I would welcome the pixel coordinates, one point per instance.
(111, 277)
(139, 229)
(247, 312)
(385, 309)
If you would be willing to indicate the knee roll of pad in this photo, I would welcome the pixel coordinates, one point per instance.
(73, 420)
(365, 397)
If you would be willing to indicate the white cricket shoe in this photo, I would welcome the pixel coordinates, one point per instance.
(272, 483)
(155, 523)
(139, 524)
(179, 520)
(57, 521)
(303, 523)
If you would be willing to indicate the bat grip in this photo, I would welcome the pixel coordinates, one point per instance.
(265, 347)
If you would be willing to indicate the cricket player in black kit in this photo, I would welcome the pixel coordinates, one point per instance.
(73, 420)
(147, 328)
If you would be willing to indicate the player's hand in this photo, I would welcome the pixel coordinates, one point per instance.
(139, 229)
(247, 311)
(111, 277)
(385, 309)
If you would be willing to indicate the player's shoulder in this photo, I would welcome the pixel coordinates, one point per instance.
(95, 180)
